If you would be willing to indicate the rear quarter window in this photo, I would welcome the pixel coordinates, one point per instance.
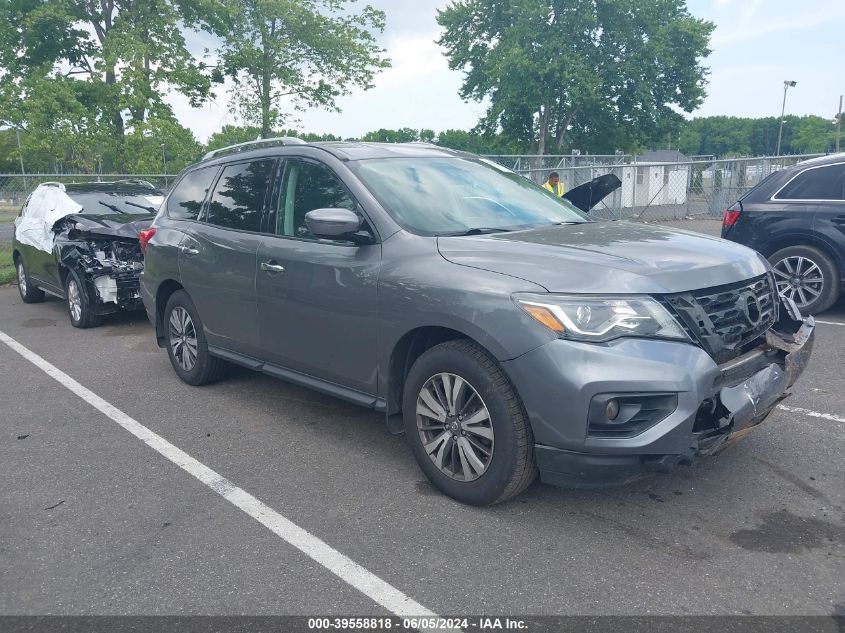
(186, 199)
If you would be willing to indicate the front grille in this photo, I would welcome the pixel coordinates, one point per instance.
(727, 319)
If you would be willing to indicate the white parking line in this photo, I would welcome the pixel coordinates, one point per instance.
(830, 322)
(341, 566)
(812, 414)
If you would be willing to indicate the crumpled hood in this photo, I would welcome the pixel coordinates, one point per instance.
(106, 225)
(608, 257)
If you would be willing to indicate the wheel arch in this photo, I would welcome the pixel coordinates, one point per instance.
(806, 239)
(163, 293)
(408, 349)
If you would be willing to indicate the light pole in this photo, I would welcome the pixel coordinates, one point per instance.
(787, 84)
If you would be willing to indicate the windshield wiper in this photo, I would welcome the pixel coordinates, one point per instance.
(479, 230)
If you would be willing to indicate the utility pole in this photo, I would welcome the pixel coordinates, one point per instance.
(839, 124)
(787, 84)
(20, 151)
(163, 159)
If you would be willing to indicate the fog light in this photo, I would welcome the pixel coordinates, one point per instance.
(612, 409)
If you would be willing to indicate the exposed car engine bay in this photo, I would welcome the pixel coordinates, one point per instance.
(109, 266)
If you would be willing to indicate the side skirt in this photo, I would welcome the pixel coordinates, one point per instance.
(304, 380)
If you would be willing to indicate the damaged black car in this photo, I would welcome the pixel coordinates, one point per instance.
(82, 243)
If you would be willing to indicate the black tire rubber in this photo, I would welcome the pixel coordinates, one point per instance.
(32, 294)
(513, 467)
(208, 368)
(88, 318)
(830, 274)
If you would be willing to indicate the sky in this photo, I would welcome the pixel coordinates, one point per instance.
(757, 45)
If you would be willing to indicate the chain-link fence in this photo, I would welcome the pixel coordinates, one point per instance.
(660, 191)
(675, 193)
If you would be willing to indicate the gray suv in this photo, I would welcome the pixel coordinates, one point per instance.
(495, 324)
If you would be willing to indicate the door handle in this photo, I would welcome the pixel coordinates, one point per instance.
(272, 267)
(839, 219)
(188, 250)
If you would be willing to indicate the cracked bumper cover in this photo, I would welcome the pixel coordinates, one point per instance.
(734, 398)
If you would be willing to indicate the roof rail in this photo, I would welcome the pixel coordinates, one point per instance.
(262, 142)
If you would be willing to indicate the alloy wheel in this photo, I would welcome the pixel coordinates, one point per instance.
(74, 301)
(21, 278)
(455, 427)
(799, 279)
(183, 338)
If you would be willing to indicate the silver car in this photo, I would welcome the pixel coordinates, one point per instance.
(497, 325)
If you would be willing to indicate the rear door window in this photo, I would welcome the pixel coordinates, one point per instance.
(240, 194)
(186, 199)
(820, 183)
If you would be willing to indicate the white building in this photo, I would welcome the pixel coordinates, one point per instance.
(657, 178)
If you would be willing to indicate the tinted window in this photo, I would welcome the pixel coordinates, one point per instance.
(822, 183)
(187, 198)
(308, 186)
(238, 198)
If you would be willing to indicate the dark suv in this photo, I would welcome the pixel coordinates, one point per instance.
(493, 322)
(80, 242)
(796, 218)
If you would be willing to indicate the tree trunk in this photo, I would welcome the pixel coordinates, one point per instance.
(561, 137)
(544, 130)
(118, 126)
(266, 80)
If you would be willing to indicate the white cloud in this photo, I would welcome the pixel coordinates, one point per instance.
(753, 23)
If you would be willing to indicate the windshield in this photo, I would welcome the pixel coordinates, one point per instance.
(451, 196)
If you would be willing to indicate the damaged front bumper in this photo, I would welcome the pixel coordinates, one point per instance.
(110, 270)
(771, 370)
(711, 405)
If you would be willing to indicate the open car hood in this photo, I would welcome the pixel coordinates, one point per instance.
(588, 195)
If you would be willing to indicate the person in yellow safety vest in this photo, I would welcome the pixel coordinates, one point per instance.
(554, 184)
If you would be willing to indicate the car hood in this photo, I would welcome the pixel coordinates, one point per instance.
(588, 195)
(121, 225)
(608, 257)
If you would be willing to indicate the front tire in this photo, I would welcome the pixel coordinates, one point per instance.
(29, 293)
(79, 306)
(467, 426)
(186, 343)
(807, 276)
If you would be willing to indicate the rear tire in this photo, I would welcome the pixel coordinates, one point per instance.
(29, 293)
(78, 302)
(483, 416)
(808, 276)
(186, 343)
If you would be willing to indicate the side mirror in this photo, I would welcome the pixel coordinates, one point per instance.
(333, 223)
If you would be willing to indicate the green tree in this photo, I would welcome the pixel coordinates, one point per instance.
(115, 58)
(585, 72)
(160, 145)
(232, 135)
(813, 134)
(403, 135)
(303, 54)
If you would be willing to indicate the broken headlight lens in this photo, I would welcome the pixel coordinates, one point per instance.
(597, 319)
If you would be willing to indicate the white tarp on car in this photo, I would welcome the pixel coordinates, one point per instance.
(47, 205)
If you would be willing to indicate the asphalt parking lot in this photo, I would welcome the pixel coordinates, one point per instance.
(93, 520)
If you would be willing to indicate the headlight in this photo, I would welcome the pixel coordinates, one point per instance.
(592, 318)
